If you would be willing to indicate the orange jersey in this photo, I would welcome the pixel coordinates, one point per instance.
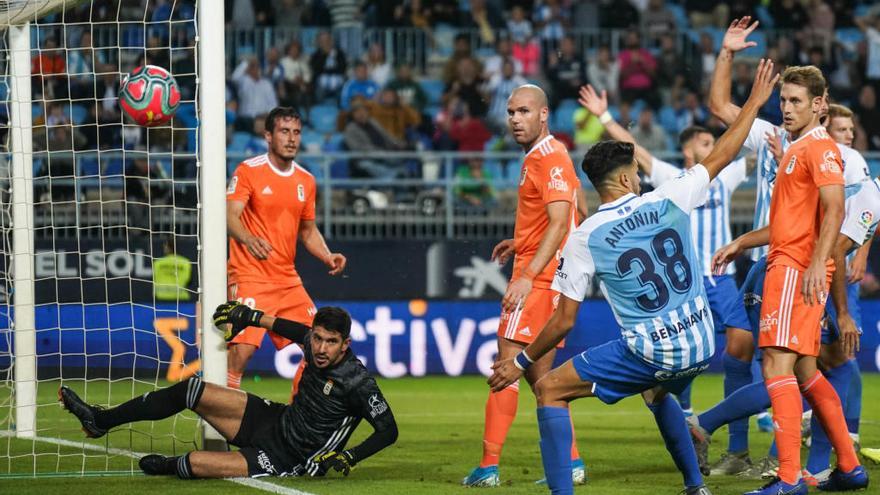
(547, 176)
(275, 203)
(811, 162)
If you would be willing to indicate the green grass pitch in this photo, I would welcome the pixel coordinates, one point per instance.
(441, 423)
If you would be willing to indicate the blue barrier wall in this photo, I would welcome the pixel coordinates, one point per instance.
(403, 338)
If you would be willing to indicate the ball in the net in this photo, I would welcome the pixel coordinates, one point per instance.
(149, 95)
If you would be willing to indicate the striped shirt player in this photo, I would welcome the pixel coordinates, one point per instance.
(855, 170)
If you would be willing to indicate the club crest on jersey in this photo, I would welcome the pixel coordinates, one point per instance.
(232, 183)
(377, 405)
(829, 163)
(301, 192)
(522, 177)
(866, 217)
(556, 181)
(328, 387)
(791, 163)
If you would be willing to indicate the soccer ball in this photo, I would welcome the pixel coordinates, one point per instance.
(149, 95)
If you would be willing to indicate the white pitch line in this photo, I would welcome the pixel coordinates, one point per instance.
(248, 482)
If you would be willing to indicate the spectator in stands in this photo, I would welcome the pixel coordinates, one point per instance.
(48, 71)
(468, 131)
(379, 68)
(245, 15)
(788, 14)
(80, 69)
(272, 69)
(870, 25)
(395, 118)
(363, 134)
(409, 92)
(637, 71)
(528, 52)
(329, 66)
(467, 86)
(567, 71)
(648, 134)
(145, 185)
(551, 21)
(707, 58)
(672, 71)
(500, 87)
(519, 27)
(461, 51)
(617, 14)
(691, 112)
(256, 95)
(869, 115)
(604, 72)
(503, 51)
(473, 189)
(297, 76)
(657, 20)
(487, 21)
(444, 12)
(359, 85)
(289, 13)
(741, 85)
(707, 14)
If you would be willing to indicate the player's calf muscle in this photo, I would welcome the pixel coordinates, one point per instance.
(218, 464)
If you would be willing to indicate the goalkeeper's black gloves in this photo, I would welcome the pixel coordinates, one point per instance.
(343, 462)
(238, 316)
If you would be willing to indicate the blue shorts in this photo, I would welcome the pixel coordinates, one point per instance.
(726, 303)
(751, 294)
(617, 373)
(830, 331)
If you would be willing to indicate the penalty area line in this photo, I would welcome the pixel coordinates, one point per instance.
(248, 482)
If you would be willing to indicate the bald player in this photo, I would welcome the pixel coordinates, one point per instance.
(550, 204)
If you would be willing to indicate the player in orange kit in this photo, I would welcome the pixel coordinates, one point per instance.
(270, 206)
(547, 209)
(806, 212)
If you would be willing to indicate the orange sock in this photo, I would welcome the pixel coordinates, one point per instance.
(787, 410)
(826, 406)
(233, 380)
(574, 446)
(500, 411)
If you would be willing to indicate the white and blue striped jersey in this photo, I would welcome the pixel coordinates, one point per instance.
(855, 170)
(710, 222)
(862, 211)
(638, 249)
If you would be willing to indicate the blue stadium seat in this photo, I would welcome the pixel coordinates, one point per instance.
(764, 16)
(681, 17)
(89, 167)
(239, 142)
(849, 36)
(444, 39)
(114, 167)
(78, 113)
(434, 89)
(759, 37)
(312, 140)
(333, 143)
(36, 110)
(132, 37)
(668, 120)
(564, 116)
(323, 118)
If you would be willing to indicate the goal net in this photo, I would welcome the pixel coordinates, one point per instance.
(100, 245)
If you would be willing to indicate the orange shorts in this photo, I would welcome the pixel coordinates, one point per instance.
(525, 323)
(787, 321)
(292, 303)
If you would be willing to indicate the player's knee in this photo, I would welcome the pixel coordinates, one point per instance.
(740, 344)
(545, 392)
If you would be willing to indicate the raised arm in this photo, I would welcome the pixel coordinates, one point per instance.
(719, 92)
(597, 104)
(239, 316)
(730, 143)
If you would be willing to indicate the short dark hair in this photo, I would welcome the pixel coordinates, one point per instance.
(605, 157)
(334, 319)
(691, 132)
(280, 113)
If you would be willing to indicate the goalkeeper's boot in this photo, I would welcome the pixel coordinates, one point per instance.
(731, 464)
(155, 464)
(482, 477)
(778, 487)
(696, 490)
(85, 413)
(838, 481)
(701, 439)
(578, 473)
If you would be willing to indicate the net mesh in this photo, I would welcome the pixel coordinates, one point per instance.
(115, 233)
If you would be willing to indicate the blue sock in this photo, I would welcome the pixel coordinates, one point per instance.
(737, 374)
(853, 409)
(772, 452)
(673, 427)
(684, 398)
(748, 400)
(554, 423)
(820, 446)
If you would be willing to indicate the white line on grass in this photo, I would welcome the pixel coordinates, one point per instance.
(248, 482)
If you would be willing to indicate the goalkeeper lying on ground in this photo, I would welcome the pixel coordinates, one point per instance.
(305, 437)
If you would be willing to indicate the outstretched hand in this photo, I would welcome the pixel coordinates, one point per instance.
(237, 316)
(735, 37)
(596, 103)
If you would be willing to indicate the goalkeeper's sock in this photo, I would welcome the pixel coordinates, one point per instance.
(158, 404)
(554, 423)
(184, 468)
(674, 429)
(737, 374)
(748, 400)
(233, 379)
(820, 446)
(500, 412)
(853, 409)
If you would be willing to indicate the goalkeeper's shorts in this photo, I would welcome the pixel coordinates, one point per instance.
(292, 303)
(261, 441)
(525, 322)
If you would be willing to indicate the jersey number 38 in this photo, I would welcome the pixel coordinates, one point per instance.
(668, 250)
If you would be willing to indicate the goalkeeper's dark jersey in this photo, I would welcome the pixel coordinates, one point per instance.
(329, 406)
